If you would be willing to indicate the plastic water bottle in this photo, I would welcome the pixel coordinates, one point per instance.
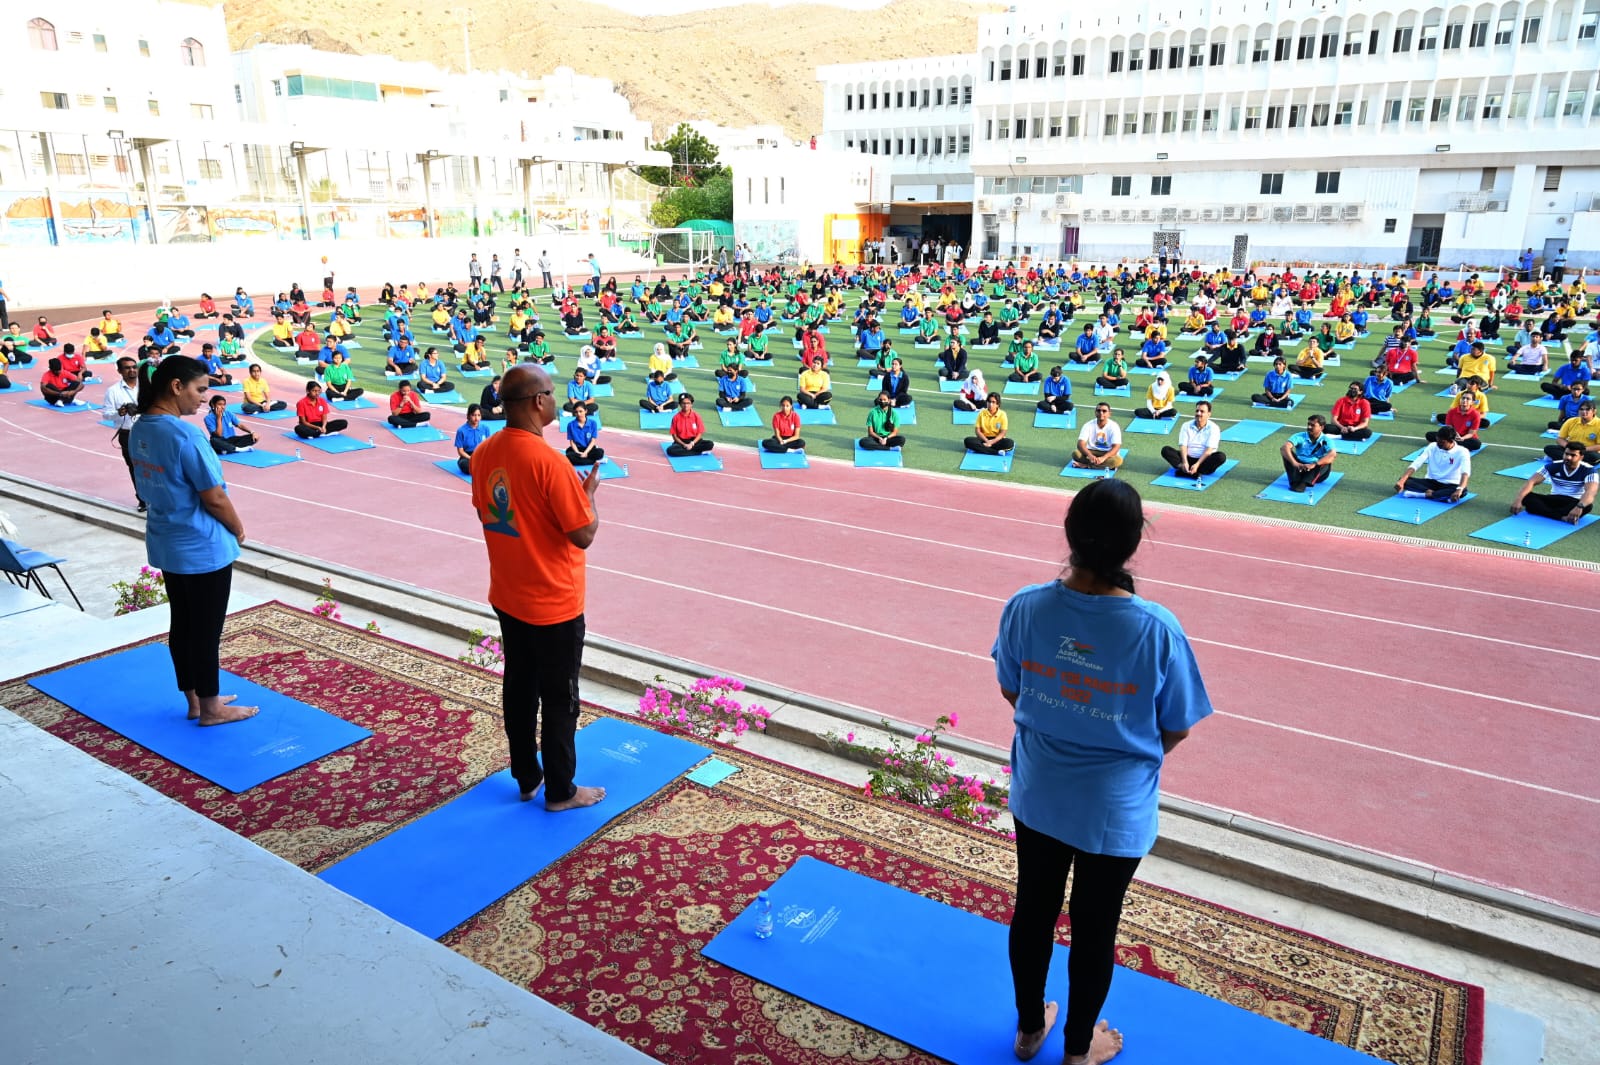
(1527, 539)
(763, 916)
(371, 442)
(297, 453)
(1417, 518)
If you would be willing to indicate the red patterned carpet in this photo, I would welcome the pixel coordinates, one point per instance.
(612, 932)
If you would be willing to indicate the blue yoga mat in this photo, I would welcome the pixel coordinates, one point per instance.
(746, 418)
(1294, 401)
(259, 459)
(1041, 420)
(963, 417)
(77, 407)
(1023, 388)
(1152, 426)
(1184, 397)
(359, 403)
(829, 948)
(675, 388)
(1070, 470)
(1123, 391)
(609, 471)
(688, 361)
(653, 420)
(455, 860)
(947, 385)
(132, 692)
(605, 391)
(17, 388)
(784, 460)
(1278, 491)
(226, 388)
(451, 398)
(1192, 484)
(331, 445)
(707, 463)
(869, 457)
(1495, 418)
(1412, 511)
(419, 434)
(449, 466)
(1355, 447)
(266, 415)
(981, 463)
(906, 415)
(1542, 401)
(819, 416)
(1531, 531)
(1523, 471)
(1383, 416)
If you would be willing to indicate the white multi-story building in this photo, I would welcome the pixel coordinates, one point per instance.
(1341, 132)
(1345, 131)
(738, 138)
(912, 119)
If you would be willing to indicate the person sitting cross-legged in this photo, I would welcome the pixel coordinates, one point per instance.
(314, 416)
(1197, 453)
(580, 393)
(1160, 399)
(881, 426)
(469, 435)
(1199, 380)
(657, 394)
(896, 384)
(431, 375)
(815, 386)
(1583, 430)
(58, 387)
(1099, 444)
(258, 393)
(1057, 393)
(1276, 386)
(1352, 415)
(1448, 465)
(688, 430)
(1573, 483)
(733, 393)
(339, 381)
(223, 430)
(1308, 456)
(785, 429)
(582, 432)
(406, 408)
(991, 438)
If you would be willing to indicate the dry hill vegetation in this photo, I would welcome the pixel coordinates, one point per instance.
(737, 66)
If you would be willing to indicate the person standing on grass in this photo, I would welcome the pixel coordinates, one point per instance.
(538, 520)
(193, 533)
(1104, 685)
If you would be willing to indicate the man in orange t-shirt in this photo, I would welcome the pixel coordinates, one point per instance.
(538, 519)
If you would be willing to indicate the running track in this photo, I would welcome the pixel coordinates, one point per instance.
(1417, 702)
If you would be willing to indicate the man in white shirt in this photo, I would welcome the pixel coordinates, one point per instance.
(1105, 334)
(518, 266)
(1196, 454)
(543, 263)
(122, 401)
(1099, 442)
(1449, 469)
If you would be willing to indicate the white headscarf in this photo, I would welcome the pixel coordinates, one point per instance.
(661, 349)
(976, 387)
(1161, 388)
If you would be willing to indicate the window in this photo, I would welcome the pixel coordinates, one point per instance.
(1319, 115)
(849, 102)
(1440, 112)
(924, 97)
(202, 111)
(1329, 46)
(1072, 123)
(1402, 39)
(100, 42)
(900, 99)
(1005, 71)
(1149, 125)
(1487, 178)
(938, 97)
(1078, 62)
(1389, 225)
(1059, 67)
(1504, 29)
(1197, 55)
(1415, 108)
(1519, 105)
(1036, 128)
(1022, 68)
(53, 101)
(1135, 60)
(211, 169)
(1345, 113)
(874, 101)
(966, 96)
(154, 106)
(1021, 128)
(1296, 116)
(1055, 126)
(1282, 48)
(1352, 43)
(1467, 108)
(1530, 30)
(1038, 66)
(1175, 57)
(1479, 36)
(1492, 104)
(1169, 122)
(1252, 118)
(192, 52)
(1589, 25)
(1122, 186)
(1217, 53)
(861, 101)
(277, 87)
(1391, 111)
(1189, 116)
(1261, 50)
(966, 143)
(1452, 36)
(1306, 48)
(1574, 104)
(1552, 179)
(1272, 184)
(991, 73)
(1130, 122)
(110, 104)
(900, 146)
(144, 49)
(1005, 130)
(1208, 120)
(1155, 59)
(1327, 182)
(1161, 186)
(1428, 38)
(1275, 117)
(67, 163)
(42, 35)
(1115, 64)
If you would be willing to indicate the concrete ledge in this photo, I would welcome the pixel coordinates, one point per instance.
(1527, 932)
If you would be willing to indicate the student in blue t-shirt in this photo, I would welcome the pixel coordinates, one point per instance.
(580, 394)
(581, 433)
(192, 532)
(1199, 379)
(1057, 393)
(471, 433)
(1276, 386)
(658, 394)
(1104, 685)
(223, 430)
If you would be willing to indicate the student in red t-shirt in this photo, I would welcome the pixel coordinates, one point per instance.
(1352, 415)
(406, 408)
(315, 416)
(785, 429)
(43, 335)
(1402, 364)
(72, 364)
(57, 387)
(688, 431)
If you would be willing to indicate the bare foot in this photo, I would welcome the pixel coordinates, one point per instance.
(194, 704)
(1028, 1044)
(530, 793)
(1106, 1044)
(218, 711)
(584, 796)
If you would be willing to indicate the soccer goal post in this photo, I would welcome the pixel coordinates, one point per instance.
(682, 247)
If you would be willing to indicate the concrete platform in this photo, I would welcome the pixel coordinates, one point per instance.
(170, 939)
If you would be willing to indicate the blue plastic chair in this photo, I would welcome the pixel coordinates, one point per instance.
(22, 565)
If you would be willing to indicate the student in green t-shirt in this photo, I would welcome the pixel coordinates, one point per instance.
(1113, 371)
(882, 426)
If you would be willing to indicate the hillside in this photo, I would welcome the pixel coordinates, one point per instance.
(736, 65)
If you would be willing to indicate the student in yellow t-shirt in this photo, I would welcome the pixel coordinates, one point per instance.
(1477, 363)
(258, 394)
(282, 333)
(95, 345)
(991, 427)
(1584, 429)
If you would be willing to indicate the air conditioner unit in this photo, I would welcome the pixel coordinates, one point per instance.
(1210, 214)
(1327, 212)
(1254, 212)
(1169, 214)
(1470, 203)
(985, 203)
(1283, 214)
(1047, 215)
(1018, 201)
(1147, 216)
(1594, 204)
(1127, 215)
(1187, 214)
(1304, 212)
(1232, 213)
(1061, 198)
(1352, 212)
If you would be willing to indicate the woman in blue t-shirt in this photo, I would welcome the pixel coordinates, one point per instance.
(1104, 684)
(192, 534)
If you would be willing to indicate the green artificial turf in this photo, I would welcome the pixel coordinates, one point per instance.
(934, 443)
